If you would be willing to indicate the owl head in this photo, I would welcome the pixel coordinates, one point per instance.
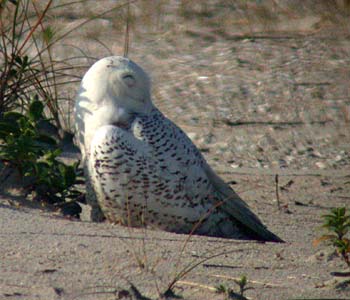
(112, 92)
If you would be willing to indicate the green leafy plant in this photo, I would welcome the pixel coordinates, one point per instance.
(22, 141)
(242, 283)
(230, 294)
(35, 155)
(337, 225)
(55, 180)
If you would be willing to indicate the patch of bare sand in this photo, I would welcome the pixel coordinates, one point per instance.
(45, 256)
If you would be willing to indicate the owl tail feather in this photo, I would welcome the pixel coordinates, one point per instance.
(233, 205)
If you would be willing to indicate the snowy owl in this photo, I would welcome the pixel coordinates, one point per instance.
(143, 170)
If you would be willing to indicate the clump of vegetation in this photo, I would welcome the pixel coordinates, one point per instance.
(230, 294)
(34, 154)
(337, 225)
(30, 102)
(27, 66)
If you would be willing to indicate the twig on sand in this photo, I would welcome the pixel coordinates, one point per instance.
(277, 193)
(195, 284)
(265, 284)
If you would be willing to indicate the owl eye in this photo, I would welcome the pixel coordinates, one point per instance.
(129, 80)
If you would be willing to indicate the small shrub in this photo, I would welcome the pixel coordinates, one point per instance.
(35, 155)
(337, 225)
(230, 294)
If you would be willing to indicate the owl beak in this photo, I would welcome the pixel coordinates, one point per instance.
(123, 125)
(148, 107)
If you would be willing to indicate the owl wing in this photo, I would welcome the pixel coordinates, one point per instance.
(232, 204)
(237, 208)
